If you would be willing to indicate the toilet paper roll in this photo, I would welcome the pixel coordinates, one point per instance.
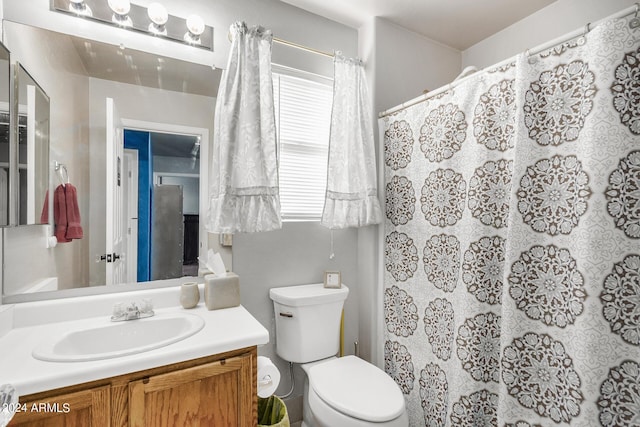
(268, 377)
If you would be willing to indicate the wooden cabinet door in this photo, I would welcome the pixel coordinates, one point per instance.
(216, 394)
(80, 409)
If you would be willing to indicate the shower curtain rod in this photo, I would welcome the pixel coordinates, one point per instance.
(303, 47)
(296, 46)
(529, 52)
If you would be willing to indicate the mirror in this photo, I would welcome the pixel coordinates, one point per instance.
(5, 125)
(33, 148)
(161, 110)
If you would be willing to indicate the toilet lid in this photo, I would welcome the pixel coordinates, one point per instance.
(357, 388)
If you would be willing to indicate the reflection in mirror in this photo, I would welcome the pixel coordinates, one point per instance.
(33, 148)
(155, 98)
(4, 135)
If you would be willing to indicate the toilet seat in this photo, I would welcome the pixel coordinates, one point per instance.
(357, 389)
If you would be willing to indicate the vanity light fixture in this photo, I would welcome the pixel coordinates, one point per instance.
(159, 17)
(195, 28)
(121, 10)
(152, 19)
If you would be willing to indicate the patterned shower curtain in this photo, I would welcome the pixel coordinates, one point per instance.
(512, 242)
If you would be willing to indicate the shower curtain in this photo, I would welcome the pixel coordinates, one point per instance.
(512, 241)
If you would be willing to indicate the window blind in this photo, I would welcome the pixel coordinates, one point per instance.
(303, 116)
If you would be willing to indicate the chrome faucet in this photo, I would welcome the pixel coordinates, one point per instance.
(133, 310)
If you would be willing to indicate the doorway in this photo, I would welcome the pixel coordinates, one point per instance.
(165, 224)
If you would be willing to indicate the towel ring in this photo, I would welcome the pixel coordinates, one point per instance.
(59, 169)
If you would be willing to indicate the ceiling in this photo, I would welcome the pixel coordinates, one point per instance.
(174, 145)
(456, 23)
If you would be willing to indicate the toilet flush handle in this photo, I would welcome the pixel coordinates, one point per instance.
(286, 314)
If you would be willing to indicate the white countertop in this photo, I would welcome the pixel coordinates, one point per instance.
(224, 330)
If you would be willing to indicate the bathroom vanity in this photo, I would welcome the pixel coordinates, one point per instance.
(216, 390)
(207, 378)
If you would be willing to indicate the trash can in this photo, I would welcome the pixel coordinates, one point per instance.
(272, 412)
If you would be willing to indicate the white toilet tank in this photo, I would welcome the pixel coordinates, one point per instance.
(307, 321)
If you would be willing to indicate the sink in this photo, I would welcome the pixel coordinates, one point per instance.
(103, 339)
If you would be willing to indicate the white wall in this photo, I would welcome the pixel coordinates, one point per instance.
(555, 20)
(63, 77)
(407, 63)
(21, 271)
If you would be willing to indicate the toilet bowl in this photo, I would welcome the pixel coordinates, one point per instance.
(339, 392)
(350, 392)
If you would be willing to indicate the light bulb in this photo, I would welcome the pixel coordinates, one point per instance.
(120, 10)
(79, 7)
(120, 7)
(195, 25)
(158, 14)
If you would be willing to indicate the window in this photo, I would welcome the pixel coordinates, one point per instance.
(303, 115)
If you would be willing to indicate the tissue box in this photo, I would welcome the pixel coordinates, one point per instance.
(221, 291)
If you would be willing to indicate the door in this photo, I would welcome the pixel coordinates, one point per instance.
(167, 228)
(217, 394)
(86, 408)
(116, 270)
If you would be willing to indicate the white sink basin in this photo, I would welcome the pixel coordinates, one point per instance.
(104, 339)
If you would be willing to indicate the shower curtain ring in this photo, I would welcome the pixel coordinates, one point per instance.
(586, 29)
(530, 59)
(635, 21)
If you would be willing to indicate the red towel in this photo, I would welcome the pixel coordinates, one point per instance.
(66, 214)
(60, 214)
(74, 228)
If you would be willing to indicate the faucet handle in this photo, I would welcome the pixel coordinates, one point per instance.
(132, 310)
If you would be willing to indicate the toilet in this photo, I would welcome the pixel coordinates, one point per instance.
(345, 391)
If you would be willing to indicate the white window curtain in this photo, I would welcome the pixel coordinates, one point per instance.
(243, 187)
(351, 198)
